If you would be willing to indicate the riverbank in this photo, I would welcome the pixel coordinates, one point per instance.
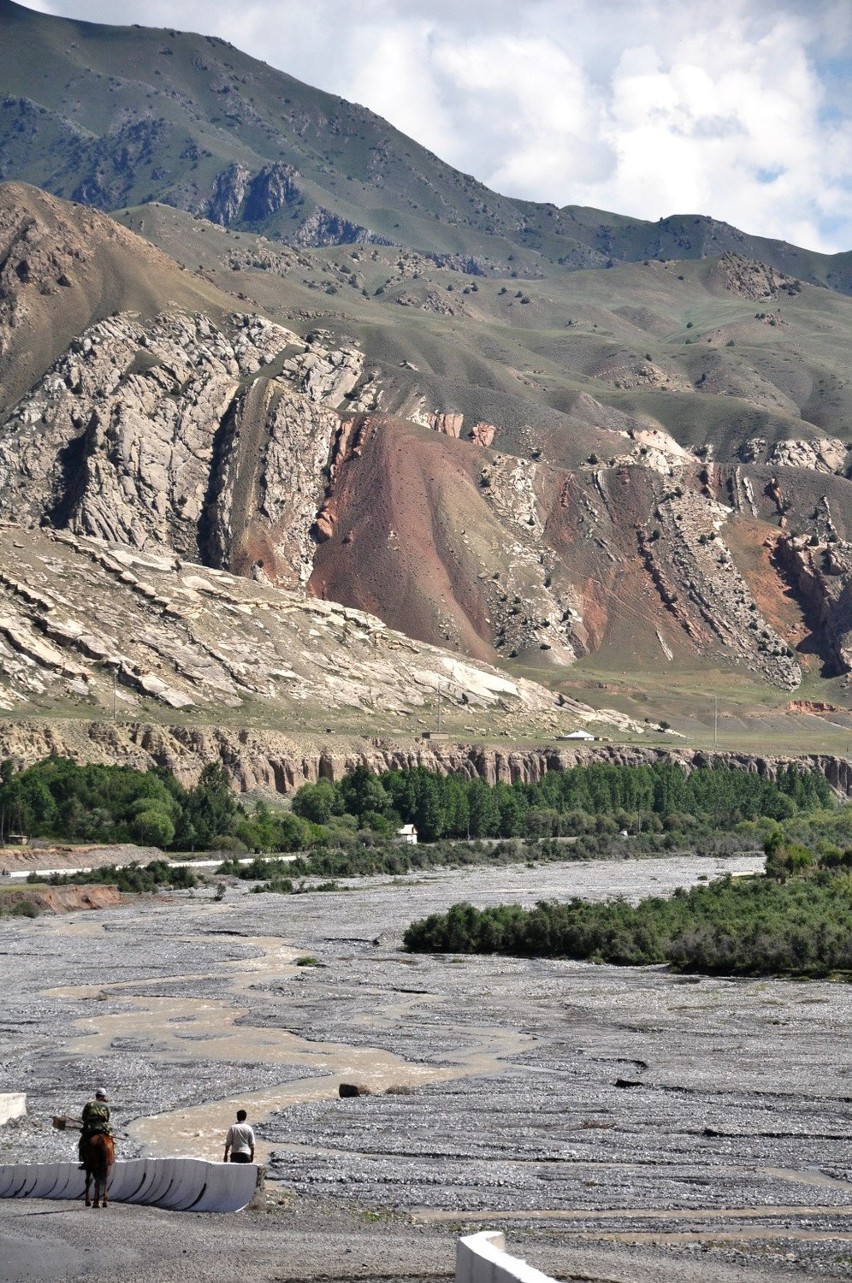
(618, 1124)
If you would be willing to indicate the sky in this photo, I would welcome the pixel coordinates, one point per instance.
(737, 109)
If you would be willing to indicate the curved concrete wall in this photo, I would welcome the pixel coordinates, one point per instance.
(481, 1258)
(181, 1184)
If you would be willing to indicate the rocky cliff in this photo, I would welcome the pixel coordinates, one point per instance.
(274, 762)
(183, 425)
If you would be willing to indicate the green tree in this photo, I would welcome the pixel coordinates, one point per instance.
(154, 827)
(211, 806)
(316, 802)
(362, 791)
(429, 808)
(484, 810)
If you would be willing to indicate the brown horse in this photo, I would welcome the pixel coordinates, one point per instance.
(98, 1154)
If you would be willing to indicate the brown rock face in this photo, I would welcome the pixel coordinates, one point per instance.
(753, 280)
(229, 190)
(822, 575)
(63, 899)
(449, 424)
(483, 433)
(271, 761)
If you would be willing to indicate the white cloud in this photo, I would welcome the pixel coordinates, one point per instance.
(740, 109)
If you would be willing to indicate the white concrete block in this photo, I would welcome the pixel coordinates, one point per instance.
(481, 1258)
(13, 1104)
(226, 1183)
(159, 1177)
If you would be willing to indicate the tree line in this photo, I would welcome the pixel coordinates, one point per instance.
(599, 798)
(794, 920)
(58, 798)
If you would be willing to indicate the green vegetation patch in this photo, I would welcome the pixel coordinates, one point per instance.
(130, 878)
(775, 924)
(599, 798)
(57, 798)
(19, 908)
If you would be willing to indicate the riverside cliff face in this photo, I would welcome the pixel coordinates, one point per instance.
(269, 761)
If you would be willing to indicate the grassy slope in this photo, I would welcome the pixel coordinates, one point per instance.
(123, 115)
(524, 364)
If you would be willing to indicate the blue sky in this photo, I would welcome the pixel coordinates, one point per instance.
(739, 109)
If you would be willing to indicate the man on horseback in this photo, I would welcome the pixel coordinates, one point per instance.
(95, 1118)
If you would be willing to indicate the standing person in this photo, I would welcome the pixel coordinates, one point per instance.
(96, 1120)
(240, 1140)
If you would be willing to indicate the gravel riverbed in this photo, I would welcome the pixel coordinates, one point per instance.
(617, 1124)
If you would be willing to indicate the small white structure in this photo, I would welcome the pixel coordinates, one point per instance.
(408, 834)
(576, 735)
(482, 1258)
(13, 1104)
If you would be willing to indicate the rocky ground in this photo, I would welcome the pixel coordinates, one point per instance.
(620, 1125)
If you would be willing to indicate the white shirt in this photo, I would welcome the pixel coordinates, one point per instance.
(240, 1138)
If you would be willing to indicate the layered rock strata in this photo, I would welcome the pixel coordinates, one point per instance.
(173, 635)
(822, 574)
(272, 761)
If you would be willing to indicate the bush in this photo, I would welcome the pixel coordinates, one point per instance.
(154, 828)
(749, 926)
(25, 909)
(228, 842)
(129, 878)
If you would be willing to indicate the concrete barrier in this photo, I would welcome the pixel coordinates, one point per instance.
(13, 1104)
(482, 1258)
(180, 1184)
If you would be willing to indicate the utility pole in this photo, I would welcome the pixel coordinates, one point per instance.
(715, 721)
(439, 708)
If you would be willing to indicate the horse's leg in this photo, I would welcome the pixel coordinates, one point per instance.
(88, 1182)
(109, 1162)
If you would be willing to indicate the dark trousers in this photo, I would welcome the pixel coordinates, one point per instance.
(241, 1158)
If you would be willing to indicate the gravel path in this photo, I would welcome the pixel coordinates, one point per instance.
(617, 1124)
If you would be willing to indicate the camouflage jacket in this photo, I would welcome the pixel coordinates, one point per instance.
(96, 1119)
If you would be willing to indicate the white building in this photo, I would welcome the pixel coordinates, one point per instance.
(407, 833)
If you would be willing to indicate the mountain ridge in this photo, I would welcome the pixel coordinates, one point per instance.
(630, 477)
(212, 131)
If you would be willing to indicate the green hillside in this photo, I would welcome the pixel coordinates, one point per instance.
(119, 116)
